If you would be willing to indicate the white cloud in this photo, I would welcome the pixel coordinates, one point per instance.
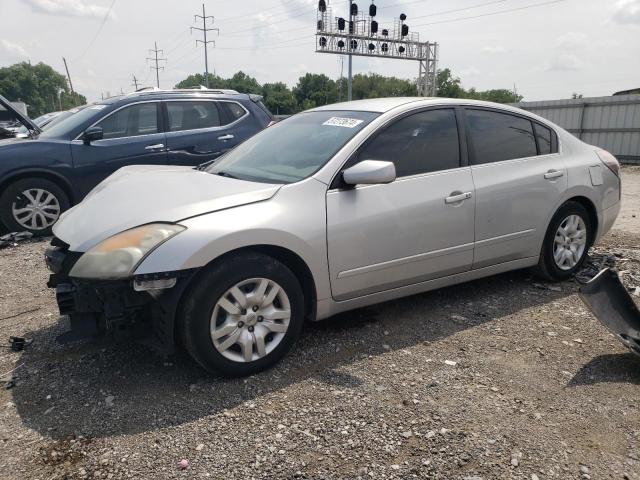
(627, 12)
(493, 49)
(69, 8)
(565, 62)
(572, 41)
(12, 50)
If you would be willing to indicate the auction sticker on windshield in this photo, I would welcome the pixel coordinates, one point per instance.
(343, 122)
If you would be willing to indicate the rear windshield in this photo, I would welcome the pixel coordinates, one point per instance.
(293, 149)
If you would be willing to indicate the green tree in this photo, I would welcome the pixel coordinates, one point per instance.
(39, 86)
(500, 95)
(314, 90)
(279, 98)
(373, 85)
(448, 85)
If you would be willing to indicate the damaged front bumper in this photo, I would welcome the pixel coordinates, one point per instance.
(609, 301)
(123, 309)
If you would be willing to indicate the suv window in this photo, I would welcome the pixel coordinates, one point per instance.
(131, 121)
(192, 115)
(234, 111)
(543, 135)
(497, 136)
(419, 143)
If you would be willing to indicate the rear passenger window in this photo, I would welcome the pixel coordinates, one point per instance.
(543, 136)
(234, 111)
(420, 143)
(499, 136)
(192, 115)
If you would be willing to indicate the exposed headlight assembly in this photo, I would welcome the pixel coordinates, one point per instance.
(119, 255)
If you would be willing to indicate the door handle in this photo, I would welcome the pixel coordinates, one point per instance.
(460, 197)
(157, 146)
(551, 174)
(225, 137)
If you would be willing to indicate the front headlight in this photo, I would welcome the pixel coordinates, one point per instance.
(117, 256)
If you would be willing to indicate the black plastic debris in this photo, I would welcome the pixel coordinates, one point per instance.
(18, 343)
(12, 239)
(611, 304)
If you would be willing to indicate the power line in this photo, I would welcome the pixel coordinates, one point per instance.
(157, 68)
(104, 20)
(491, 13)
(205, 43)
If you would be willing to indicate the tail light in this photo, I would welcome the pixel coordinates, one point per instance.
(610, 161)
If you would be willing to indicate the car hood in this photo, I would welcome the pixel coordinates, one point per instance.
(142, 194)
(16, 115)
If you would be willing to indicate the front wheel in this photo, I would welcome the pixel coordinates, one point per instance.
(566, 242)
(32, 205)
(243, 315)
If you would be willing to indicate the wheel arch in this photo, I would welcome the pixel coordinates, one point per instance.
(58, 179)
(284, 255)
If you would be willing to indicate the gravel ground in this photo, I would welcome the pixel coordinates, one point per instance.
(504, 377)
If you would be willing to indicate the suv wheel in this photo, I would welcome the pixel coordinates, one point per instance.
(566, 242)
(243, 315)
(33, 205)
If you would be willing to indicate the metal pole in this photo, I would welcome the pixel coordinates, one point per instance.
(206, 60)
(157, 69)
(350, 81)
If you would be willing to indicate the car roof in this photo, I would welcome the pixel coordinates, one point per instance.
(382, 105)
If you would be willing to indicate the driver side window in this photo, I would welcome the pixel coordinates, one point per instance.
(419, 143)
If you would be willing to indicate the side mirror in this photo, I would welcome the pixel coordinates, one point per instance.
(370, 172)
(91, 134)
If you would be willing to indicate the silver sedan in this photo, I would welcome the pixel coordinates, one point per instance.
(332, 209)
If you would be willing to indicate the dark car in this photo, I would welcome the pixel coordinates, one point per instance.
(45, 173)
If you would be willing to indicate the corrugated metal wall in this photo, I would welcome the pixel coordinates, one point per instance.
(612, 123)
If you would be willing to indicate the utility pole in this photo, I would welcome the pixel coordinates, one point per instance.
(73, 96)
(135, 82)
(352, 25)
(205, 43)
(156, 59)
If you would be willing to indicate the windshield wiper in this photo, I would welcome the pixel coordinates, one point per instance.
(205, 165)
(222, 173)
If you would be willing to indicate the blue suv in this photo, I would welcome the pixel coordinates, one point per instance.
(47, 172)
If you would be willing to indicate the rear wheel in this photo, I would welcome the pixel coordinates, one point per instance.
(566, 242)
(243, 315)
(33, 205)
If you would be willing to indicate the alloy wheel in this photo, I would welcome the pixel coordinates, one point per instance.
(570, 242)
(36, 209)
(250, 320)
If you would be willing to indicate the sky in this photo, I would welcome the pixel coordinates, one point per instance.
(548, 49)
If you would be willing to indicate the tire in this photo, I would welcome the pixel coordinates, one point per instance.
(235, 323)
(550, 269)
(22, 195)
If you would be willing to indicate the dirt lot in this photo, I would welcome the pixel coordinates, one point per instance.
(538, 390)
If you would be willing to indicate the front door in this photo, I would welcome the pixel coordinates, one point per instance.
(419, 227)
(131, 136)
(519, 179)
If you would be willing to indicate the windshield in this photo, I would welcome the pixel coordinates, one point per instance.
(292, 149)
(69, 124)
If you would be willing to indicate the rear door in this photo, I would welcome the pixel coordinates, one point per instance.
(200, 130)
(414, 229)
(519, 178)
(132, 135)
